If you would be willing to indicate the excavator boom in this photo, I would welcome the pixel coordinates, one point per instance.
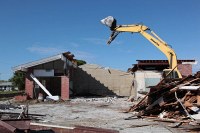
(150, 36)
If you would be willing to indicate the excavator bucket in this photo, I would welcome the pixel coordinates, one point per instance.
(110, 22)
(112, 37)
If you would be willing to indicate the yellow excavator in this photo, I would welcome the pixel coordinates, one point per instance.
(172, 72)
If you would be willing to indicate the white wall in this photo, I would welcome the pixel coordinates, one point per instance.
(140, 77)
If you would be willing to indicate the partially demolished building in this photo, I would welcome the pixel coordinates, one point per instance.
(149, 72)
(55, 73)
(59, 76)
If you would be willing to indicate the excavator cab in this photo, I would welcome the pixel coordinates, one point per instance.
(170, 74)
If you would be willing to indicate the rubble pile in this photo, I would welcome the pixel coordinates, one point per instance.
(172, 99)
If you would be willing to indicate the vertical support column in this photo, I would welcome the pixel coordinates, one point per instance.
(64, 88)
(29, 85)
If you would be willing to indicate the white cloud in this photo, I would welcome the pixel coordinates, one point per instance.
(95, 40)
(60, 49)
(196, 67)
(99, 41)
(74, 45)
(88, 57)
(44, 50)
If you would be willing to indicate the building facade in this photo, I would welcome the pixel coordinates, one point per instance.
(55, 73)
(149, 73)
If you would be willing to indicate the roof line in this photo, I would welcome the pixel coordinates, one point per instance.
(23, 67)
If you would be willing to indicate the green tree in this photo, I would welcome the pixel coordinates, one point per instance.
(18, 80)
(81, 62)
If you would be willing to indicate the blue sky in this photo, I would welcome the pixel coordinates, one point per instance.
(35, 29)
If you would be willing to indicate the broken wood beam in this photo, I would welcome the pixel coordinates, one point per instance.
(138, 104)
(8, 126)
(187, 83)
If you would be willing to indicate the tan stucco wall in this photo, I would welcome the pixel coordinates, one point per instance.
(94, 79)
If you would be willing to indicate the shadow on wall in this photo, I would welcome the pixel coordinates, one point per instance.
(86, 85)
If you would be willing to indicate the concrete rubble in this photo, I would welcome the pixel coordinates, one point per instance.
(96, 114)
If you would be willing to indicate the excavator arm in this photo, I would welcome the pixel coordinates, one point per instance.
(149, 35)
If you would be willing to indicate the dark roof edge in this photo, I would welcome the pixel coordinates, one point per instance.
(63, 56)
(158, 61)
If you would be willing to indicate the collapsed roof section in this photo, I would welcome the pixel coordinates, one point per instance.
(66, 57)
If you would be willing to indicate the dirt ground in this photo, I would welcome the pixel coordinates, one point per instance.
(106, 112)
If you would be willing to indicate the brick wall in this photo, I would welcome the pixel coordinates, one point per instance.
(29, 87)
(29, 84)
(185, 69)
(64, 88)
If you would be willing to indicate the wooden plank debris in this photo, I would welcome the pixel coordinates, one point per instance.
(172, 99)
